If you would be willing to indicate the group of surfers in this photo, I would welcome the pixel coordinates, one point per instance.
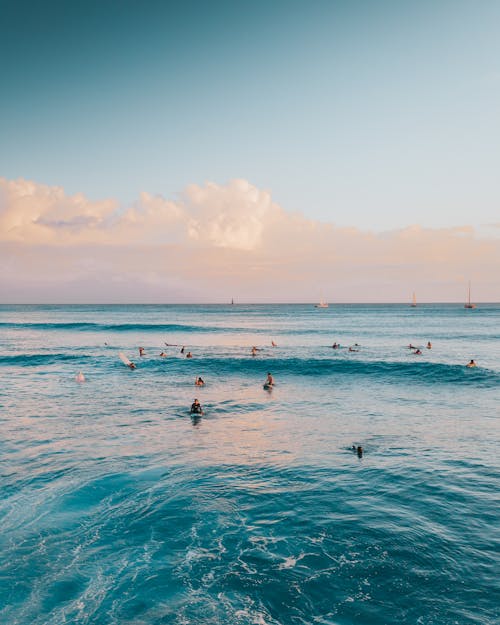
(196, 407)
(415, 350)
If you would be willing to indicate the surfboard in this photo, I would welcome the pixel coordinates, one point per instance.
(124, 359)
(268, 387)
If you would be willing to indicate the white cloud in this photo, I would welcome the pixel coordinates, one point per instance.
(216, 241)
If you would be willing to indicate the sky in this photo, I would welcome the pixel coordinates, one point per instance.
(197, 151)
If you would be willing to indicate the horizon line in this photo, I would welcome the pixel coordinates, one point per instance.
(242, 303)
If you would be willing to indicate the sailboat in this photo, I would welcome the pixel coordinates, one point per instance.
(322, 304)
(413, 301)
(468, 304)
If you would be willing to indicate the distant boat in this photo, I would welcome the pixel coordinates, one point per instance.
(468, 304)
(413, 301)
(232, 302)
(322, 304)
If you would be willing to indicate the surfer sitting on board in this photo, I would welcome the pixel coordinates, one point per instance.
(189, 355)
(196, 407)
(199, 382)
(471, 364)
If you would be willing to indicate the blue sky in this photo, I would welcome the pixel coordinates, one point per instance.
(371, 114)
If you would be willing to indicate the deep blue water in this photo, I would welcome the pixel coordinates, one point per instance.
(117, 507)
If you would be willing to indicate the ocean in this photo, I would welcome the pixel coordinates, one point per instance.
(119, 507)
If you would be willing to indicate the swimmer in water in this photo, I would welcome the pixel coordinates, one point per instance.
(199, 382)
(254, 351)
(80, 377)
(196, 407)
(163, 355)
(471, 364)
(335, 345)
(182, 350)
(189, 355)
(353, 350)
(131, 366)
(141, 351)
(269, 380)
(273, 344)
(358, 449)
(429, 345)
(417, 352)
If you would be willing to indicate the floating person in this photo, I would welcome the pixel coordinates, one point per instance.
(189, 355)
(353, 350)
(471, 364)
(80, 377)
(196, 407)
(358, 449)
(141, 351)
(182, 350)
(429, 345)
(273, 344)
(269, 383)
(199, 382)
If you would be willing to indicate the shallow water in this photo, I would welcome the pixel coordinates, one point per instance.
(118, 507)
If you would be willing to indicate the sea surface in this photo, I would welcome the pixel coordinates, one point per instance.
(118, 507)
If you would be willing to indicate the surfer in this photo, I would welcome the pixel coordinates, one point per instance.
(269, 380)
(335, 345)
(189, 355)
(254, 351)
(410, 346)
(471, 364)
(418, 352)
(131, 365)
(429, 345)
(199, 382)
(163, 355)
(182, 350)
(80, 377)
(358, 449)
(141, 351)
(273, 344)
(196, 407)
(353, 350)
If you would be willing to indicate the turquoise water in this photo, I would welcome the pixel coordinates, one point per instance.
(117, 507)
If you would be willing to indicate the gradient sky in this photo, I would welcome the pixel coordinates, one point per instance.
(368, 114)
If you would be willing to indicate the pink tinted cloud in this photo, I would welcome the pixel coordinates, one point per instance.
(218, 241)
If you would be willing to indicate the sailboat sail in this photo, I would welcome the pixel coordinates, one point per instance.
(414, 301)
(322, 304)
(468, 304)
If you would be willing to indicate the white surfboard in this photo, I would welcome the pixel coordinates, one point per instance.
(124, 359)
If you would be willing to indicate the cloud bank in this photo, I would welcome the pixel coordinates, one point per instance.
(215, 242)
